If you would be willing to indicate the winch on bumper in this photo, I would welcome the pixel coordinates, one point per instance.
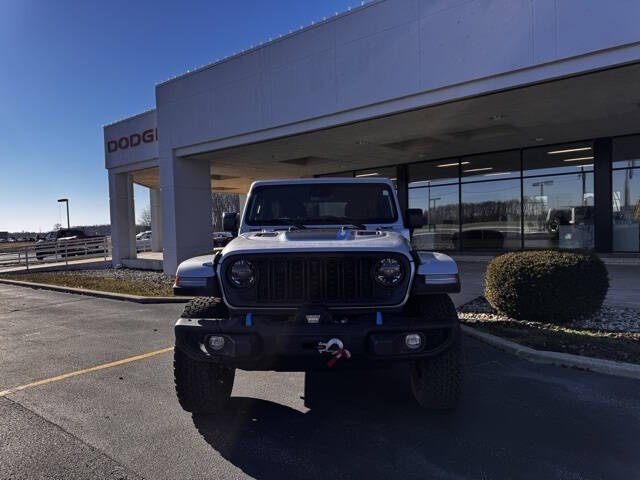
(290, 343)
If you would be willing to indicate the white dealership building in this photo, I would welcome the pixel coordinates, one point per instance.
(512, 124)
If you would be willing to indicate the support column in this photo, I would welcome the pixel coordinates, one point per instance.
(155, 205)
(123, 217)
(186, 204)
(603, 210)
(402, 185)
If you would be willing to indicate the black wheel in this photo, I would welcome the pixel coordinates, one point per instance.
(201, 387)
(205, 307)
(436, 382)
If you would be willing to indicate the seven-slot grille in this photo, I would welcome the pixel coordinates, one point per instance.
(330, 279)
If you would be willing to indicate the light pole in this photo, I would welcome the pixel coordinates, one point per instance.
(66, 200)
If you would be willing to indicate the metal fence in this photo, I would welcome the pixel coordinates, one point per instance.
(56, 252)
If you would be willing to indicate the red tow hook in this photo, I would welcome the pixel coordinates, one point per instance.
(336, 348)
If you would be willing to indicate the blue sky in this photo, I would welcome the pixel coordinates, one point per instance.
(68, 67)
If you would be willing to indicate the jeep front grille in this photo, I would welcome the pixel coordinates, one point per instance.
(288, 280)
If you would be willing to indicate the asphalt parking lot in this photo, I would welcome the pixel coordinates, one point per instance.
(517, 420)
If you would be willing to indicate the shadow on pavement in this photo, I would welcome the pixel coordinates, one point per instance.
(512, 423)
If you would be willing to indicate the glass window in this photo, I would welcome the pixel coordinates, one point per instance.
(626, 152)
(321, 204)
(626, 210)
(439, 205)
(554, 159)
(491, 215)
(558, 211)
(387, 172)
(491, 166)
(440, 172)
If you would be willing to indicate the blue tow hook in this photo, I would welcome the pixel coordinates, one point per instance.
(247, 320)
(378, 318)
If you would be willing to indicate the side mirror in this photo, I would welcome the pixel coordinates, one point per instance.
(415, 218)
(230, 222)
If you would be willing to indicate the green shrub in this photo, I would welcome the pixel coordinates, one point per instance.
(546, 286)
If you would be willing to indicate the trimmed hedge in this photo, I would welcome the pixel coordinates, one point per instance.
(546, 286)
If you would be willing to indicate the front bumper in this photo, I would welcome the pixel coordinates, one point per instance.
(270, 343)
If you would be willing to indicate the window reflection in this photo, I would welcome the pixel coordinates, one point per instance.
(440, 208)
(441, 172)
(491, 215)
(626, 152)
(558, 211)
(387, 172)
(555, 159)
(626, 210)
(491, 166)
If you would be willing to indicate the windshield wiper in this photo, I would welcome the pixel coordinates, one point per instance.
(344, 221)
(285, 221)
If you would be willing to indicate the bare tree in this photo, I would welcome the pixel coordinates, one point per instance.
(145, 217)
(57, 226)
(221, 203)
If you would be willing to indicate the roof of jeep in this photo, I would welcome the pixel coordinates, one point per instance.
(298, 181)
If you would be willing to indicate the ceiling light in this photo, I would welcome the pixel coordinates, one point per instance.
(496, 117)
(569, 150)
(451, 164)
(478, 169)
(538, 139)
(368, 174)
(577, 159)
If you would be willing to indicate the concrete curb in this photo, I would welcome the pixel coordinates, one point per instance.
(610, 367)
(96, 293)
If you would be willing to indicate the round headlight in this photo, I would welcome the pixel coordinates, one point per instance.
(242, 273)
(388, 272)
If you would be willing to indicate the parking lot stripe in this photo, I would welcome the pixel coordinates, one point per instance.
(64, 376)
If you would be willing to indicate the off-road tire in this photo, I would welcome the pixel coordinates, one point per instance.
(201, 387)
(436, 382)
(205, 307)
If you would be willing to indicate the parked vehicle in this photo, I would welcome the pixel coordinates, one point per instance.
(143, 241)
(320, 276)
(66, 242)
(220, 239)
(568, 216)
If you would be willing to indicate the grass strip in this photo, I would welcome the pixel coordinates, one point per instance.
(112, 285)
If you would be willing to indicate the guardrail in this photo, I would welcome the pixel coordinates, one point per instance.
(143, 245)
(56, 252)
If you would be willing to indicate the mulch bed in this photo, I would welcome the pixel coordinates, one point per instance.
(612, 334)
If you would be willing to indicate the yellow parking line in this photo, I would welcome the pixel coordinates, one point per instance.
(135, 358)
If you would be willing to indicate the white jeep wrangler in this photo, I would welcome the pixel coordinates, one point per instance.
(322, 276)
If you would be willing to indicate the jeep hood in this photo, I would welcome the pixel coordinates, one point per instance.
(318, 240)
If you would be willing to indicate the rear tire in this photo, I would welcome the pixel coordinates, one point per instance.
(201, 387)
(436, 382)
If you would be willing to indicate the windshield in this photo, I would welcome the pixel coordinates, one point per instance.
(322, 204)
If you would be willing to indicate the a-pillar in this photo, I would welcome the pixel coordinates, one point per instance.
(186, 204)
(155, 205)
(242, 201)
(123, 217)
